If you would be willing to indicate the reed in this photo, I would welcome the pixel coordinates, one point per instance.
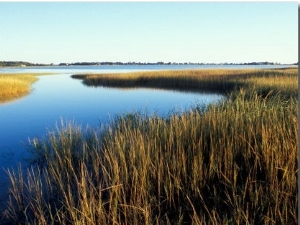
(230, 163)
(13, 86)
(186, 80)
(210, 80)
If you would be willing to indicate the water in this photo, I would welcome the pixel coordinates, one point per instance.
(128, 68)
(59, 97)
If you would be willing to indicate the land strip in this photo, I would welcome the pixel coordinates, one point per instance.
(209, 80)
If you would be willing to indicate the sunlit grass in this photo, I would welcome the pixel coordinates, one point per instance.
(17, 85)
(13, 86)
(186, 80)
(230, 163)
(210, 80)
(277, 81)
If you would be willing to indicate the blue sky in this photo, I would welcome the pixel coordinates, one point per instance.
(209, 32)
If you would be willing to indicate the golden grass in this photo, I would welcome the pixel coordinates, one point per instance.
(186, 80)
(210, 80)
(230, 163)
(13, 86)
(279, 81)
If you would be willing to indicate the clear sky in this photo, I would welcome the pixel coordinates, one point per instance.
(209, 32)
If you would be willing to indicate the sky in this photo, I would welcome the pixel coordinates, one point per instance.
(205, 32)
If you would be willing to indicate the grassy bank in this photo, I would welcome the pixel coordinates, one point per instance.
(13, 86)
(211, 80)
(231, 163)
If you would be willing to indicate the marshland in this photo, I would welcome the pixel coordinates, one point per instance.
(15, 86)
(228, 162)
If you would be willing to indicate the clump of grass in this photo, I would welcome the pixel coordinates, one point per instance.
(283, 82)
(13, 86)
(230, 163)
(210, 80)
(185, 80)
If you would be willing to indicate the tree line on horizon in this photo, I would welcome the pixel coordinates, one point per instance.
(20, 64)
(25, 64)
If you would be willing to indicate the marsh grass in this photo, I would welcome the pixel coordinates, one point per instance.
(13, 86)
(210, 80)
(230, 163)
(185, 80)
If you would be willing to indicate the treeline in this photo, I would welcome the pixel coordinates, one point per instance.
(163, 63)
(125, 63)
(24, 64)
(20, 64)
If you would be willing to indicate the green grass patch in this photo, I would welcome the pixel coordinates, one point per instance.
(230, 163)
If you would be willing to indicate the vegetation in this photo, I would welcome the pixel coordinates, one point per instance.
(231, 163)
(210, 80)
(19, 64)
(161, 63)
(24, 64)
(13, 86)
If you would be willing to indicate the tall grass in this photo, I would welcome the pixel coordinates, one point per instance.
(14, 86)
(185, 80)
(199, 80)
(231, 163)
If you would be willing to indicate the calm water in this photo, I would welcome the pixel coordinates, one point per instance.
(127, 68)
(59, 97)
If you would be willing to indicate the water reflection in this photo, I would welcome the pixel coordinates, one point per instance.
(10, 99)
